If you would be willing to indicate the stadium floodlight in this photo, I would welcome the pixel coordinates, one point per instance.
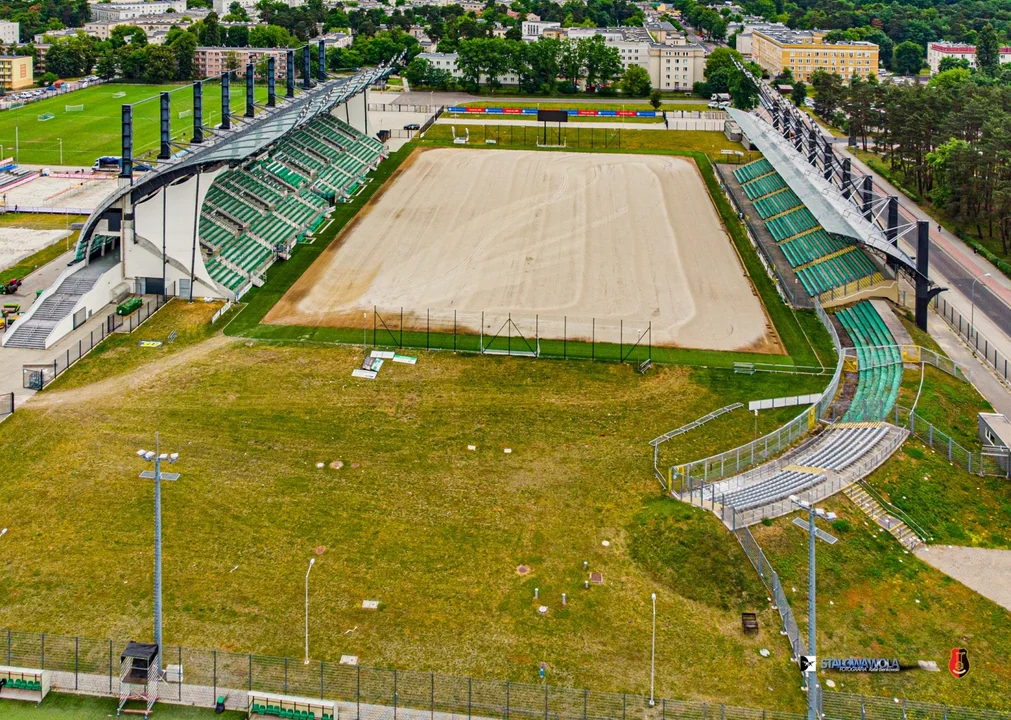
(157, 457)
(813, 689)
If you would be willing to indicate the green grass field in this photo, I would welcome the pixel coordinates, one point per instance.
(96, 130)
(433, 531)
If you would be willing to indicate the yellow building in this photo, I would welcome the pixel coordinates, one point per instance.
(803, 52)
(15, 72)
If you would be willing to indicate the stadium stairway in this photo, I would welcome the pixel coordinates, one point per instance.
(872, 508)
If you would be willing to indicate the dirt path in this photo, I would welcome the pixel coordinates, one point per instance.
(122, 384)
(986, 571)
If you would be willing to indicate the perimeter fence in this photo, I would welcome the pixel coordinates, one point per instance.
(977, 342)
(502, 333)
(199, 677)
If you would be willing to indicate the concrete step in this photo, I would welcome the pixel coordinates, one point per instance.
(872, 508)
(31, 337)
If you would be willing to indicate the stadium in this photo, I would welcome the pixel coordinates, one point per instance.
(464, 428)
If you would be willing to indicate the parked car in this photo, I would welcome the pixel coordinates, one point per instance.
(412, 126)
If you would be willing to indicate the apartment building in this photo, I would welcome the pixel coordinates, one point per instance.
(447, 62)
(119, 12)
(937, 51)
(803, 52)
(10, 32)
(533, 29)
(214, 61)
(15, 72)
(672, 61)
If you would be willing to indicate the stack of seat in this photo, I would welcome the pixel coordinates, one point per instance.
(879, 362)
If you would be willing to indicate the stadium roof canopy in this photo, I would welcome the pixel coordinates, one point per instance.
(825, 201)
(247, 137)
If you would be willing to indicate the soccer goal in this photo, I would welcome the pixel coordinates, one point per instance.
(73, 108)
(46, 116)
(185, 114)
(119, 95)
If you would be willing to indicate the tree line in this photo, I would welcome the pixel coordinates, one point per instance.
(947, 142)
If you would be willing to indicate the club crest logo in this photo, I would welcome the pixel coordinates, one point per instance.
(959, 662)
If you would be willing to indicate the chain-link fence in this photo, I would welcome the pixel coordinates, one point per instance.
(199, 677)
(6, 404)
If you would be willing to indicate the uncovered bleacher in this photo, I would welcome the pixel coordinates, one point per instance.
(879, 363)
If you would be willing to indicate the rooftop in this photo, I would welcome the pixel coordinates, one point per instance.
(787, 36)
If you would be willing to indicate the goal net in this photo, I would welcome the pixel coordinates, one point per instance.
(46, 116)
(185, 114)
(73, 108)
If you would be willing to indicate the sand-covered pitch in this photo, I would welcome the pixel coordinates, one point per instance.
(17, 243)
(611, 237)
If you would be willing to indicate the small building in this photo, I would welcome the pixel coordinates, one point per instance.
(10, 32)
(16, 72)
(995, 434)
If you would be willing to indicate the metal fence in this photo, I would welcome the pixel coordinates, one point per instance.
(6, 404)
(91, 666)
(35, 376)
(687, 478)
(977, 342)
(986, 462)
(88, 665)
(502, 333)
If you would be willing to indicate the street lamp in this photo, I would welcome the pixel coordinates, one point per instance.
(157, 476)
(972, 311)
(312, 561)
(61, 150)
(812, 647)
(652, 658)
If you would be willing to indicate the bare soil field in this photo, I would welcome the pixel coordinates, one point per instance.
(84, 193)
(618, 238)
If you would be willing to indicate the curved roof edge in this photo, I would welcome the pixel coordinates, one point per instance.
(247, 138)
(825, 201)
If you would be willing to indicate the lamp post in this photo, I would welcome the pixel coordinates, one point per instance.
(61, 149)
(652, 657)
(157, 475)
(312, 561)
(812, 646)
(972, 299)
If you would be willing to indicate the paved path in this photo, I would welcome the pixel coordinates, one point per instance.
(422, 97)
(986, 571)
(553, 127)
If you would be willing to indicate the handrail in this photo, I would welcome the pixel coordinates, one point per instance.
(913, 525)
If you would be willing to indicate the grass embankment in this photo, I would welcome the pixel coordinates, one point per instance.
(120, 354)
(45, 255)
(95, 131)
(877, 600)
(413, 519)
(951, 505)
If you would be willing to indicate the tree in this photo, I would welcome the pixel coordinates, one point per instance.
(744, 92)
(829, 93)
(951, 63)
(655, 99)
(184, 47)
(232, 61)
(160, 64)
(987, 51)
(47, 79)
(237, 36)
(907, 58)
(211, 33)
(600, 62)
(107, 65)
(635, 82)
(799, 93)
(417, 71)
(721, 57)
(236, 13)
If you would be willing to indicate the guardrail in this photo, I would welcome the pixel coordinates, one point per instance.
(991, 356)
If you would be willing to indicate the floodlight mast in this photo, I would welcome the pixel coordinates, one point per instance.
(813, 712)
(157, 457)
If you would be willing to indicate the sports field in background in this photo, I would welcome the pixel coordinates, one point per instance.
(95, 130)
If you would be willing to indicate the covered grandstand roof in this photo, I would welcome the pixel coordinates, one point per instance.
(247, 138)
(825, 201)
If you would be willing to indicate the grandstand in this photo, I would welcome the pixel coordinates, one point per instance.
(822, 262)
(254, 213)
(845, 452)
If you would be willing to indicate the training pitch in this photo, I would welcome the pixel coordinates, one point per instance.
(618, 238)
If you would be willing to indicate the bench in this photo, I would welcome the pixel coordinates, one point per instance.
(18, 683)
(749, 622)
(286, 706)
